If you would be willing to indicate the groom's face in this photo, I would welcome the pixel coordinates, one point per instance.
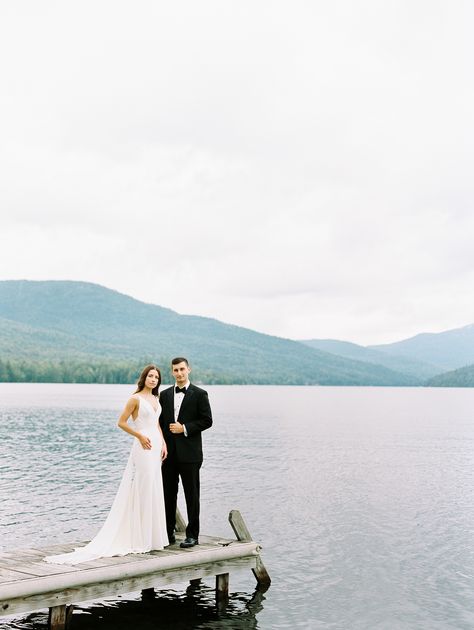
(181, 373)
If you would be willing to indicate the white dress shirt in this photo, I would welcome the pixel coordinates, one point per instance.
(178, 399)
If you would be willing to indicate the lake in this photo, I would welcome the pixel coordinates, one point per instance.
(362, 499)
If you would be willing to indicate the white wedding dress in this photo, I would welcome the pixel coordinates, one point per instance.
(136, 522)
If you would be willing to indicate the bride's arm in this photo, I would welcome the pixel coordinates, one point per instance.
(164, 448)
(130, 408)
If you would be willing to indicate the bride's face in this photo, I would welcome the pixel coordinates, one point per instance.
(152, 378)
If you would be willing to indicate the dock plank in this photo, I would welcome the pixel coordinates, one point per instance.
(41, 584)
(9, 575)
(27, 583)
(104, 590)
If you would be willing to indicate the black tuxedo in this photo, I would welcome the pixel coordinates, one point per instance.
(184, 453)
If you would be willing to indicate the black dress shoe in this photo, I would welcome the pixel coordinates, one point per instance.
(172, 539)
(189, 542)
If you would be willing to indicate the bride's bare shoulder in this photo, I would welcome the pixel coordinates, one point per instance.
(133, 401)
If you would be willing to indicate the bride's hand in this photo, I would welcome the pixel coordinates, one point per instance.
(145, 442)
(164, 451)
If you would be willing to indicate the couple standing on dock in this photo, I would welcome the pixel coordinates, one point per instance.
(167, 428)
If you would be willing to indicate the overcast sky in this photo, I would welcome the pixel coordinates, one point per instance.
(302, 168)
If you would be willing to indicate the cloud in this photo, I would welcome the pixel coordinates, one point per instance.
(300, 169)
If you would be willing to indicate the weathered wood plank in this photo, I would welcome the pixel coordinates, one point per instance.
(113, 560)
(42, 569)
(21, 562)
(27, 583)
(261, 574)
(39, 568)
(37, 553)
(238, 525)
(27, 557)
(241, 531)
(9, 575)
(102, 590)
(17, 557)
(188, 557)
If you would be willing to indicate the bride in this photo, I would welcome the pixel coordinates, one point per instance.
(136, 522)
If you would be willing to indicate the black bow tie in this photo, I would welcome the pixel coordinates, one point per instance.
(180, 390)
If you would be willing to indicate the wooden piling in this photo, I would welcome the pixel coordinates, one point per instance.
(57, 617)
(242, 533)
(222, 589)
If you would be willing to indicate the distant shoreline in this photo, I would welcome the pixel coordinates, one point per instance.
(238, 384)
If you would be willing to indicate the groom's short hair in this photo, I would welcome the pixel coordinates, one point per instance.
(177, 360)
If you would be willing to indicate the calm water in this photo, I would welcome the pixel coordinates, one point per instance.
(362, 499)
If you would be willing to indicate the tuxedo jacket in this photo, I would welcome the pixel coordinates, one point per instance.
(195, 413)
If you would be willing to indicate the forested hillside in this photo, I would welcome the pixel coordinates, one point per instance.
(77, 331)
(463, 377)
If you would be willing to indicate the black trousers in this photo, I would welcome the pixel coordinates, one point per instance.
(172, 470)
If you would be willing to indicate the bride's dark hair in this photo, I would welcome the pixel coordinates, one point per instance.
(142, 379)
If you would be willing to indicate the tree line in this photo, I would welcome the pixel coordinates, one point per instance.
(462, 377)
(100, 371)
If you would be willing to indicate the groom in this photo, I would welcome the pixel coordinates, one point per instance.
(185, 413)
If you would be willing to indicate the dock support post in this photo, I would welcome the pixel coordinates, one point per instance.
(222, 589)
(147, 594)
(242, 533)
(58, 617)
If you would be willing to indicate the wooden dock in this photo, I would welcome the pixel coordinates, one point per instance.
(28, 584)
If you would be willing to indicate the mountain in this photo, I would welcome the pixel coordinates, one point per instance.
(463, 377)
(398, 363)
(64, 322)
(448, 350)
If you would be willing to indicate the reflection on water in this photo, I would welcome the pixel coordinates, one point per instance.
(362, 499)
(194, 608)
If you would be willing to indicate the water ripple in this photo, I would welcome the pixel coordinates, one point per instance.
(361, 498)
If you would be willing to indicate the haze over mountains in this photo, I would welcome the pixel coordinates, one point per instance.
(428, 355)
(59, 323)
(400, 363)
(448, 350)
